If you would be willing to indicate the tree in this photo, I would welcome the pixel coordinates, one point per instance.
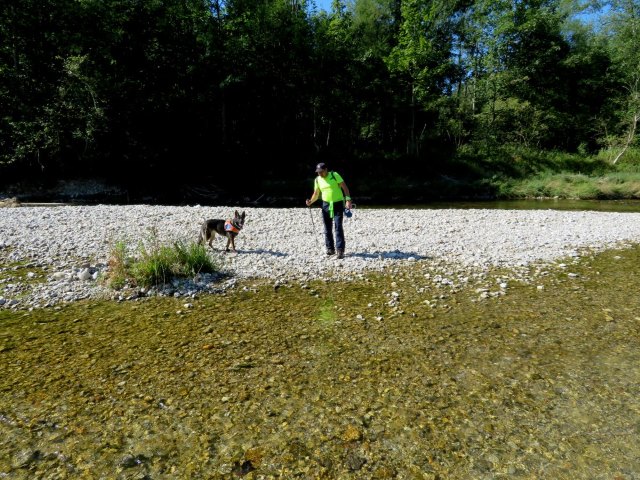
(422, 63)
(523, 81)
(50, 105)
(624, 35)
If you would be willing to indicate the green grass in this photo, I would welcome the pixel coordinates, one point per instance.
(615, 185)
(526, 173)
(483, 172)
(156, 263)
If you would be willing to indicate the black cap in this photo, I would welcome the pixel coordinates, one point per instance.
(321, 166)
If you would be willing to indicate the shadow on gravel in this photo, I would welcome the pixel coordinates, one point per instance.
(394, 255)
(263, 252)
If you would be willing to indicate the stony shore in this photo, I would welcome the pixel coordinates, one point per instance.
(57, 254)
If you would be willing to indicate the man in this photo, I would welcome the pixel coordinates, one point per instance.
(334, 193)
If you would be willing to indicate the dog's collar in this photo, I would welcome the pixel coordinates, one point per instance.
(229, 226)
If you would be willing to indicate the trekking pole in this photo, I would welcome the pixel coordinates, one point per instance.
(314, 227)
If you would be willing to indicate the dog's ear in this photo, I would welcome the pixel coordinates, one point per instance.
(236, 213)
(243, 215)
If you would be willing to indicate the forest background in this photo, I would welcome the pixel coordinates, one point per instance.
(410, 100)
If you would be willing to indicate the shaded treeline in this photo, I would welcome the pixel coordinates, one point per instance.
(230, 93)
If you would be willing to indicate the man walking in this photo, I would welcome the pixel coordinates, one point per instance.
(334, 193)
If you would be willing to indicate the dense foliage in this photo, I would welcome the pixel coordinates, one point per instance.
(230, 93)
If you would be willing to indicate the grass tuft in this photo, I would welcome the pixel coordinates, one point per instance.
(157, 264)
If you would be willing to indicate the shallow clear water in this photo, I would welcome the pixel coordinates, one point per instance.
(553, 204)
(338, 380)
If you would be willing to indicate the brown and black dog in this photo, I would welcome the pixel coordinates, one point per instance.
(227, 228)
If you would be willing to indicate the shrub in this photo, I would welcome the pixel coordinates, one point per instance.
(192, 258)
(157, 264)
(154, 267)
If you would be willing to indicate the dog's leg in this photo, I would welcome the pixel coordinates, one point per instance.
(232, 238)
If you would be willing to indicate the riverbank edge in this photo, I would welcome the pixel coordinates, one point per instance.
(443, 278)
(441, 189)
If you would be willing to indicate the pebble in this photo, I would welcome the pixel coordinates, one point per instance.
(75, 251)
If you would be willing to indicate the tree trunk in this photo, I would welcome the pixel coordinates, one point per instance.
(630, 137)
(634, 103)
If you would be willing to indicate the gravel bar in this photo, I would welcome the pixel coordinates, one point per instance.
(70, 245)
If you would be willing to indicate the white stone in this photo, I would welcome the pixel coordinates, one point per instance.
(84, 275)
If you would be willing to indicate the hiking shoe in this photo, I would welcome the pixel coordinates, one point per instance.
(340, 254)
(331, 251)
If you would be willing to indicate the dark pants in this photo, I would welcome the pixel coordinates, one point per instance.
(329, 223)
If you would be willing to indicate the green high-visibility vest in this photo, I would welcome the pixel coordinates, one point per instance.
(329, 187)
